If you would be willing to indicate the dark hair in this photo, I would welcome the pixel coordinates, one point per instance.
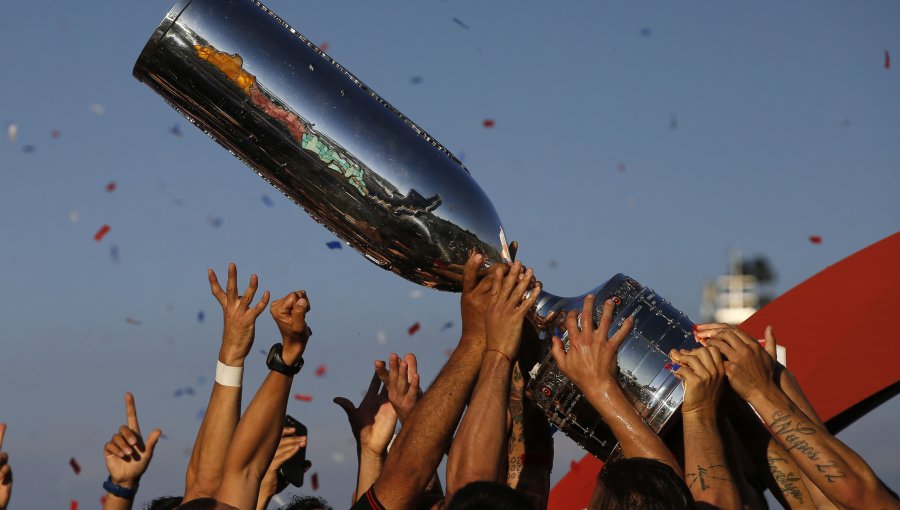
(306, 503)
(203, 504)
(640, 484)
(489, 496)
(164, 503)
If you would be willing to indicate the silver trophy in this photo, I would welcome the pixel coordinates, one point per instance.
(380, 182)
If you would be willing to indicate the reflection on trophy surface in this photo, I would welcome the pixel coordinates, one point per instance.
(381, 183)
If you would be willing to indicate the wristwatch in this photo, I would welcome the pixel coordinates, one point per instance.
(275, 362)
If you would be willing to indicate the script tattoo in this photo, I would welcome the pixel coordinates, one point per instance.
(516, 444)
(787, 482)
(784, 425)
(830, 470)
(703, 476)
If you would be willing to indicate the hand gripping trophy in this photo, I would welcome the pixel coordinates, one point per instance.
(379, 181)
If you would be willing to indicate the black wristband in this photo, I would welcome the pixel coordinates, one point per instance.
(117, 490)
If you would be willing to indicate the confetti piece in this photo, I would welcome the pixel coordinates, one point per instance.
(447, 325)
(133, 322)
(673, 122)
(887, 59)
(645, 32)
(268, 201)
(416, 294)
(303, 398)
(412, 329)
(621, 167)
(189, 391)
(488, 123)
(553, 264)
(101, 233)
(176, 130)
(103, 500)
(460, 23)
(415, 80)
(672, 366)
(381, 337)
(320, 370)
(75, 466)
(28, 149)
(315, 481)
(215, 221)
(111, 186)
(55, 134)
(12, 132)
(73, 216)
(97, 108)
(324, 46)
(337, 457)
(178, 393)
(200, 316)
(114, 254)
(334, 245)
(815, 239)
(73, 505)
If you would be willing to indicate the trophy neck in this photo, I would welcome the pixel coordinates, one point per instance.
(544, 309)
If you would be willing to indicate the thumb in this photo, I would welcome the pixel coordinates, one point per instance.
(347, 406)
(152, 439)
(771, 342)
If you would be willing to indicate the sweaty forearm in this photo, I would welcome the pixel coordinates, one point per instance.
(706, 468)
(829, 464)
(635, 438)
(419, 448)
(476, 449)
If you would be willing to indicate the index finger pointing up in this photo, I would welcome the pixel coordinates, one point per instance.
(131, 413)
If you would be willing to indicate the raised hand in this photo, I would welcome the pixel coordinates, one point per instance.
(401, 382)
(702, 371)
(476, 294)
(272, 483)
(127, 455)
(289, 313)
(591, 359)
(507, 308)
(239, 316)
(748, 367)
(373, 422)
(6, 479)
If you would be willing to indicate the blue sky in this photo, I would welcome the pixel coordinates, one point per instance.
(788, 125)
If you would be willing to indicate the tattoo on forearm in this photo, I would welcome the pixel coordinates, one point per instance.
(788, 483)
(704, 476)
(830, 471)
(791, 432)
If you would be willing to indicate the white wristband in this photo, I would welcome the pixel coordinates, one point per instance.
(229, 376)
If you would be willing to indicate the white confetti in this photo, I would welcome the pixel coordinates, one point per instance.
(12, 132)
(337, 457)
(381, 337)
(98, 108)
(416, 293)
(73, 216)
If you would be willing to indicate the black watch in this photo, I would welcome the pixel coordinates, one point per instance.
(275, 362)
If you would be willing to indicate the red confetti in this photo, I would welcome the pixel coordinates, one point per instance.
(73, 505)
(621, 167)
(412, 329)
(303, 398)
(324, 46)
(103, 499)
(815, 239)
(887, 59)
(75, 466)
(488, 123)
(55, 133)
(111, 186)
(315, 481)
(320, 371)
(100, 233)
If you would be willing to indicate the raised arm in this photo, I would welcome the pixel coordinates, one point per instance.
(6, 479)
(590, 364)
(273, 483)
(477, 448)
(127, 459)
(372, 424)
(419, 448)
(204, 470)
(841, 474)
(706, 467)
(259, 430)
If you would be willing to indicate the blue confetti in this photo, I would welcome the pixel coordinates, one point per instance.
(178, 392)
(460, 23)
(200, 316)
(216, 221)
(268, 201)
(28, 149)
(415, 80)
(176, 130)
(334, 245)
(114, 253)
(645, 32)
(446, 326)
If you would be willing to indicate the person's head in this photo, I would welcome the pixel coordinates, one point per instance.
(489, 496)
(164, 503)
(640, 484)
(306, 503)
